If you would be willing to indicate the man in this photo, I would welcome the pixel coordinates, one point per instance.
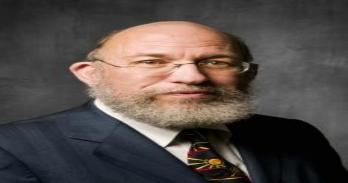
(171, 105)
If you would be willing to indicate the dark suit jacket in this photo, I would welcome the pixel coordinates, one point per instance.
(84, 145)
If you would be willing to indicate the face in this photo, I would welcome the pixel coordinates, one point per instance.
(186, 96)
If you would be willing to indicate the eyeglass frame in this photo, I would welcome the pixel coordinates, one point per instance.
(249, 65)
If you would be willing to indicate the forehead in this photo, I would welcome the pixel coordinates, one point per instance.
(164, 40)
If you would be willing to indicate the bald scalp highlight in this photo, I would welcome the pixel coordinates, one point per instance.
(236, 42)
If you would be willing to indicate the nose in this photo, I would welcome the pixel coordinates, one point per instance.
(188, 74)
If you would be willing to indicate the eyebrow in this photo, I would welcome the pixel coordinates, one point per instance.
(217, 56)
(158, 55)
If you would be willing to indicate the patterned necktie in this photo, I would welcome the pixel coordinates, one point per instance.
(206, 162)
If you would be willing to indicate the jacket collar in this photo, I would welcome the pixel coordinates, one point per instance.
(88, 123)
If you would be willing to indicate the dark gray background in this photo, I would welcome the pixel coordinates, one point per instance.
(301, 46)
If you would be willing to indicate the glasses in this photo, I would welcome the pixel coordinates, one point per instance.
(160, 67)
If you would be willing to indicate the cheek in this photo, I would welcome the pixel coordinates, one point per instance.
(224, 80)
(128, 83)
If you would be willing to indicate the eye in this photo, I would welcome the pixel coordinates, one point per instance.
(215, 63)
(150, 63)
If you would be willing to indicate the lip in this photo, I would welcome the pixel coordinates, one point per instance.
(189, 94)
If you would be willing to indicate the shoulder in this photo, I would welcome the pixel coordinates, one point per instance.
(274, 125)
(50, 118)
(37, 121)
(81, 121)
(298, 143)
(37, 129)
(277, 132)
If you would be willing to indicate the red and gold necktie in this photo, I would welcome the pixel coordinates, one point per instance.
(206, 162)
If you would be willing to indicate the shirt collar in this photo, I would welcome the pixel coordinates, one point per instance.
(161, 136)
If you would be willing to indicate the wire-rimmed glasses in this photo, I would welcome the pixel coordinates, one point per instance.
(160, 67)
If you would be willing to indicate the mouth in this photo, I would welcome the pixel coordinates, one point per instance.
(189, 94)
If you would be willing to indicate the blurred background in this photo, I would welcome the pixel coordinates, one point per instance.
(301, 47)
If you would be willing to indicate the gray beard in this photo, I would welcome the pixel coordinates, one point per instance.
(226, 107)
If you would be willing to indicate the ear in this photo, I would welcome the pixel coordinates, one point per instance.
(251, 74)
(247, 77)
(86, 72)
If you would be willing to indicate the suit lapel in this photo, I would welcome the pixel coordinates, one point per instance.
(262, 162)
(263, 168)
(125, 148)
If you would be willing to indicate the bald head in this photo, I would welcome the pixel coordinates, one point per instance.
(175, 28)
(171, 30)
(168, 33)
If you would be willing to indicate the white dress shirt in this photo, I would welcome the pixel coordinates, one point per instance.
(166, 138)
